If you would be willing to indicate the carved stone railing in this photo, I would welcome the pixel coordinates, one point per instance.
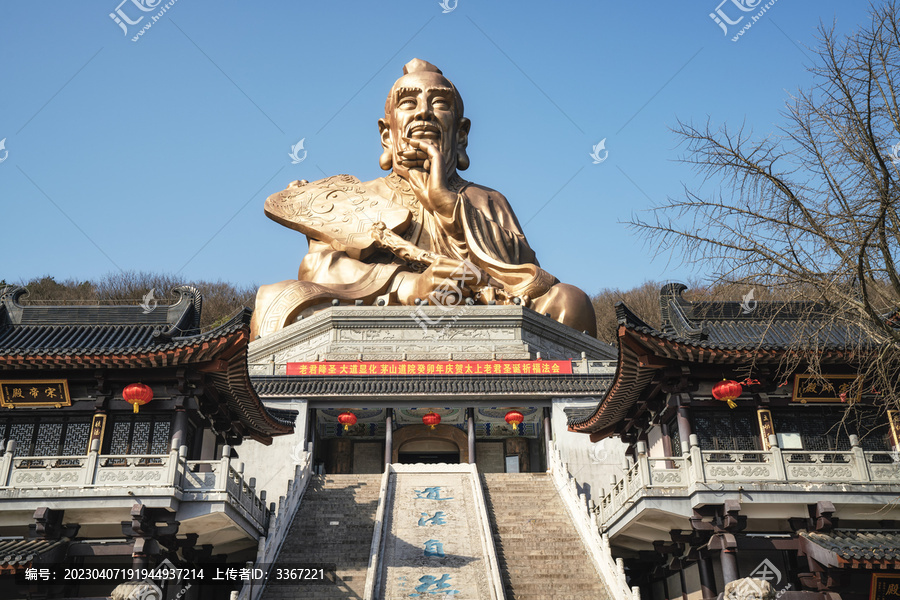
(280, 520)
(774, 466)
(585, 518)
(195, 480)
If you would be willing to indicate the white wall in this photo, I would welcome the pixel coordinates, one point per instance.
(590, 463)
(273, 466)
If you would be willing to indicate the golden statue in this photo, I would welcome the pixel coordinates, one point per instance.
(421, 233)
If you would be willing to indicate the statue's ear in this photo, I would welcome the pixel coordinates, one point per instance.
(462, 141)
(385, 161)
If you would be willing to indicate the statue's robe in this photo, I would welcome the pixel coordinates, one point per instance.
(488, 235)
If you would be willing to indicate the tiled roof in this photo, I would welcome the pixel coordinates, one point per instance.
(123, 337)
(94, 329)
(751, 324)
(711, 333)
(854, 548)
(521, 385)
(20, 553)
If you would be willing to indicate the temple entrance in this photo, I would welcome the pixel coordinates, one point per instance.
(428, 451)
(369, 436)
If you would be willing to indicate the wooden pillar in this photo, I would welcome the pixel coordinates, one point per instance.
(707, 578)
(179, 429)
(548, 435)
(470, 420)
(729, 565)
(388, 437)
(684, 423)
(340, 456)
(518, 446)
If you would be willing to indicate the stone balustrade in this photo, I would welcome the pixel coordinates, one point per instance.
(663, 475)
(160, 474)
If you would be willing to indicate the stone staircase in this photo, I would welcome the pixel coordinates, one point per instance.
(541, 554)
(334, 525)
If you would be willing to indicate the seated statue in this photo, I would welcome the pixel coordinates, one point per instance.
(421, 233)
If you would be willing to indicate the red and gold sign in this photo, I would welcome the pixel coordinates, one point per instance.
(885, 586)
(830, 388)
(727, 390)
(347, 419)
(431, 419)
(137, 394)
(22, 393)
(436, 367)
(98, 427)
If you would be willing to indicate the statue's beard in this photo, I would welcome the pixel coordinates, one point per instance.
(410, 158)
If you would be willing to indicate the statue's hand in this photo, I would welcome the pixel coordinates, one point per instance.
(432, 189)
(446, 281)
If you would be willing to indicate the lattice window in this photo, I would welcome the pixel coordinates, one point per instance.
(23, 434)
(159, 444)
(77, 435)
(121, 436)
(141, 435)
(49, 439)
(726, 430)
(829, 429)
(56, 436)
(674, 437)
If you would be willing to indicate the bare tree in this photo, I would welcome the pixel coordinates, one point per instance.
(810, 211)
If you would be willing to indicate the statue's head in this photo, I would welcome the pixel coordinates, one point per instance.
(424, 104)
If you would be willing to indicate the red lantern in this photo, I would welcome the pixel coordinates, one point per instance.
(514, 418)
(431, 419)
(726, 391)
(347, 419)
(137, 394)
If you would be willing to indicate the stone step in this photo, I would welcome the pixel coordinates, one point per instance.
(540, 553)
(349, 500)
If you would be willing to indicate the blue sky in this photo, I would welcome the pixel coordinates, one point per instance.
(157, 155)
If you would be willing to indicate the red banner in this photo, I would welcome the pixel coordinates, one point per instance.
(443, 367)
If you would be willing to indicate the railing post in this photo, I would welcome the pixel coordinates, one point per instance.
(777, 458)
(225, 467)
(172, 475)
(858, 455)
(182, 464)
(90, 465)
(697, 459)
(643, 463)
(7, 462)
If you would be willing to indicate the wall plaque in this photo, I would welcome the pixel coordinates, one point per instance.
(884, 586)
(831, 388)
(34, 393)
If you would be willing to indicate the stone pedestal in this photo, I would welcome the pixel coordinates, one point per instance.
(373, 333)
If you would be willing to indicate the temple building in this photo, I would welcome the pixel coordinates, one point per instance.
(796, 484)
(122, 428)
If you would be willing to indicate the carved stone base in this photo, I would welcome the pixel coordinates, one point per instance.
(374, 333)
